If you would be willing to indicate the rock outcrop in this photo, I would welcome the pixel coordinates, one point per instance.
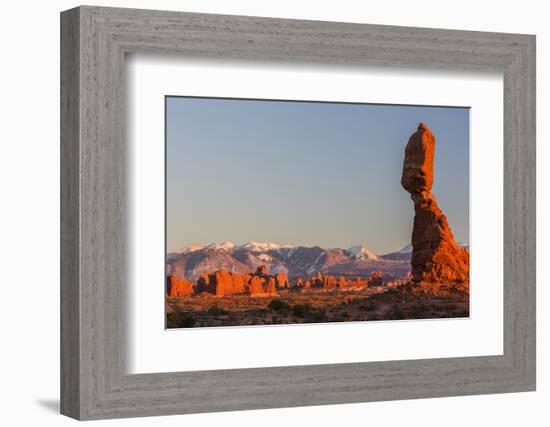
(376, 279)
(281, 281)
(436, 257)
(256, 286)
(261, 271)
(178, 287)
(226, 283)
(271, 288)
(222, 283)
(260, 284)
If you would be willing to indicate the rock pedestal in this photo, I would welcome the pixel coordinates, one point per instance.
(436, 257)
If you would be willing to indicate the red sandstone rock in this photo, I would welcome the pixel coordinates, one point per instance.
(222, 283)
(418, 165)
(179, 287)
(238, 283)
(281, 281)
(271, 289)
(261, 271)
(360, 282)
(342, 282)
(330, 282)
(255, 286)
(436, 257)
(375, 279)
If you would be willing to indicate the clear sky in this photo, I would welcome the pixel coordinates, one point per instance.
(305, 173)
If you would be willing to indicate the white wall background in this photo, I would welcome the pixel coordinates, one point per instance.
(29, 213)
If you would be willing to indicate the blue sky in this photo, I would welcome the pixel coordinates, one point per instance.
(305, 173)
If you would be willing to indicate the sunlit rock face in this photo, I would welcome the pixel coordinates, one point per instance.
(436, 257)
(178, 287)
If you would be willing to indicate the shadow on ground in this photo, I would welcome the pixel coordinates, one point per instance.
(51, 405)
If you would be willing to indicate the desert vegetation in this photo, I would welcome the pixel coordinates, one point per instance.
(406, 301)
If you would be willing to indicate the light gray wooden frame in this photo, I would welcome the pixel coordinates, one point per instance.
(94, 41)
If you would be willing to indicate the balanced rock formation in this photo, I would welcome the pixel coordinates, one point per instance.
(436, 257)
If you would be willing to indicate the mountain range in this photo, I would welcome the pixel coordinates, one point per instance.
(193, 260)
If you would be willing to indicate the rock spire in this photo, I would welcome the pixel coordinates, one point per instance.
(436, 257)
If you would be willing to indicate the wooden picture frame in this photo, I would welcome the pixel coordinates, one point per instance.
(94, 382)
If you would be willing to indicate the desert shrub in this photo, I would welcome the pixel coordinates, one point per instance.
(278, 304)
(216, 311)
(396, 315)
(368, 306)
(420, 310)
(319, 316)
(301, 310)
(180, 320)
(460, 313)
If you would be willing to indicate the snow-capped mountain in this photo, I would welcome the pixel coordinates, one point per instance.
(406, 249)
(262, 247)
(193, 260)
(224, 246)
(405, 252)
(362, 252)
(191, 247)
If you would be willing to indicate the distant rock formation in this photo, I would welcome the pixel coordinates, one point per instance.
(436, 257)
(178, 287)
(281, 281)
(224, 283)
(327, 281)
(261, 271)
(256, 286)
(271, 289)
(376, 279)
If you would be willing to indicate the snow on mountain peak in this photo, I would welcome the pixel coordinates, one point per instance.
(191, 247)
(406, 249)
(362, 252)
(261, 247)
(226, 246)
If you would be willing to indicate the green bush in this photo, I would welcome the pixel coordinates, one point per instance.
(278, 304)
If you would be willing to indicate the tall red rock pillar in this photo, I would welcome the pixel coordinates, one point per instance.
(436, 257)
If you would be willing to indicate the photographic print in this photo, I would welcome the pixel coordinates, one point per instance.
(287, 212)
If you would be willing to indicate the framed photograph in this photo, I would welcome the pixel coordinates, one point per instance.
(323, 176)
(262, 213)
